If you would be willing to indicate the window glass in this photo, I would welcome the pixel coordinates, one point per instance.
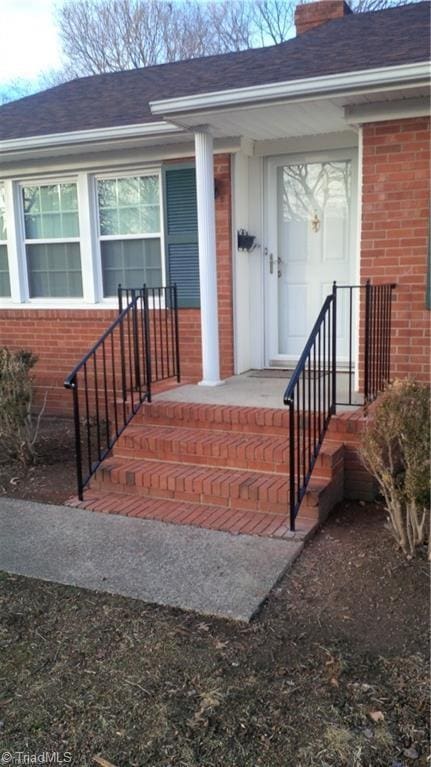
(129, 221)
(54, 270)
(132, 263)
(54, 262)
(51, 212)
(129, 205)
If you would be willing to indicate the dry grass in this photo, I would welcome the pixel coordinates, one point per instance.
(144, 686)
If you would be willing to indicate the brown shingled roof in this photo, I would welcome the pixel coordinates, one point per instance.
(390, 37)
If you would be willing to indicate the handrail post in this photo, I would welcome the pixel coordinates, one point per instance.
(292, 465)
(367, 340)
(134, 301)
(77, 423)
(120, 298)
(147, 341)
(177, 338)
(334, 348)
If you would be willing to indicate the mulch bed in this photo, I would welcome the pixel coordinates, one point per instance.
(332, 673)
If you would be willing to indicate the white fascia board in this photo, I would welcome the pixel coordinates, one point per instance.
(94, 134)
(387, 110)
(367, 78)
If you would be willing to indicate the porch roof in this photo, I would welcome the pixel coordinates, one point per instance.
(394, 37)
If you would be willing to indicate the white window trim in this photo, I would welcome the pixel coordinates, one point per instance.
(109, 301)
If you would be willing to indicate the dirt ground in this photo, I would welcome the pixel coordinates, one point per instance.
(53, 478)
(332, 673)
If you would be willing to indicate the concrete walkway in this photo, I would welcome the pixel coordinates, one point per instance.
(210, 572)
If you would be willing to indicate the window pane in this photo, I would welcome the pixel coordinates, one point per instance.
(33, 227)
(107, 192)
(4, 272)
(49, 198)
(129, 221)
(149, 190)
(131, 263)
(68, 197)
(128, 191)
(150, 218)
(51, 211)
(129, 205)
(51, 226)
(108, 220)
(54, 270)
(31, 195)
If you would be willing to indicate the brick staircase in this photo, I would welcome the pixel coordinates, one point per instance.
(220, 467)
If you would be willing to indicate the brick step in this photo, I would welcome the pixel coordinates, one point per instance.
(208, 447)
(199, 515)
(217, 448)
(232, 488)
(256, 420)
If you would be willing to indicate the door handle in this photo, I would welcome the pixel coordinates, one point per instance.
(272, 262)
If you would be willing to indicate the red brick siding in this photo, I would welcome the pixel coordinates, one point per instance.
(61, 337)
(395, 231)
(224, 262)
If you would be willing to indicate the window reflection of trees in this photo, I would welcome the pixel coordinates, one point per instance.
(309, 188)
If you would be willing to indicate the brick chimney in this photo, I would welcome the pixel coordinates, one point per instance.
(310, 15)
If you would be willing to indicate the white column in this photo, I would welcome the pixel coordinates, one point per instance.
(207, 258)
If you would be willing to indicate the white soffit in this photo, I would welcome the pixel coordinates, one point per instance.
(266, 122)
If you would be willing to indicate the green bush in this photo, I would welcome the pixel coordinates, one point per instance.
(18, 429)
(396, 450)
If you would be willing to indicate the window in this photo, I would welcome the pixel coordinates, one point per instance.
(52, 240)
(4, 266)
(130, 232)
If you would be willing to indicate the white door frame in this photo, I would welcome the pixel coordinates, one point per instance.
(271, 237)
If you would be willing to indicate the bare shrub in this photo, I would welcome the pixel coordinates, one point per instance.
(18, 428)
(396, 450)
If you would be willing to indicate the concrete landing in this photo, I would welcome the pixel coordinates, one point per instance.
(247, 390)
(207, 571)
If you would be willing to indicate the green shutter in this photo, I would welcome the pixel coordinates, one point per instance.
(181, 233)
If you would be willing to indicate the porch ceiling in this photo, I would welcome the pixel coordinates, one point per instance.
(293, 118)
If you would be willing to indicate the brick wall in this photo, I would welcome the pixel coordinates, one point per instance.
(224, 263)
(395, 231)
(61, 337)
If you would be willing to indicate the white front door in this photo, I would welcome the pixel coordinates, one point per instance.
(310, 235)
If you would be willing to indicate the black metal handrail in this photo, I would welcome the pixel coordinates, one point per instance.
(377, 345)
(370, 306)
(114, 378)
(311, 394)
